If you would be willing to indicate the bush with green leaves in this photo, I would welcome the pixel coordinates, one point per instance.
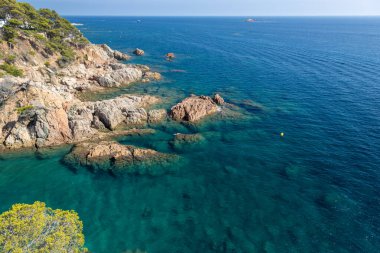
(36, 228)
(11, 69)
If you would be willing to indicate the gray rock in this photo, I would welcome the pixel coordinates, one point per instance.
(106, 81)
(108, 50)
(111, 117)
(121, 56)
(136, 116)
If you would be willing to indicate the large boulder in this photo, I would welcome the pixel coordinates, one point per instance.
(39, 127)
(111, 156)
(194, 108)
(121, 75)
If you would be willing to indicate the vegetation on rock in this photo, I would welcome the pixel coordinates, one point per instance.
(24, 108)
(11, 69)
(55, 32)
(37, 228)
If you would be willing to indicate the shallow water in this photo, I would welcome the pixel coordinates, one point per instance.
(243, 189)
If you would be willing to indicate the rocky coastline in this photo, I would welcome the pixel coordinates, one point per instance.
(42, 108)
(40, 103)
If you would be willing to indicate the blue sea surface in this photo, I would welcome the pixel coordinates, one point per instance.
(245, 188)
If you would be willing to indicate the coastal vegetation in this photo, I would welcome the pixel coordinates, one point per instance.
(37, 228)
(11, 69)
(46, 26)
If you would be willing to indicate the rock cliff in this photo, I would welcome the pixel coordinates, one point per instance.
(41, 108)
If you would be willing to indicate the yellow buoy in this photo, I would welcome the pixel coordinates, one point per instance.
(282, 134)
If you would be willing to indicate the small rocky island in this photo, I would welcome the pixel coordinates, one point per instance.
(46, 64)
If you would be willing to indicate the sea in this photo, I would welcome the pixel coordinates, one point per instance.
(292, 166)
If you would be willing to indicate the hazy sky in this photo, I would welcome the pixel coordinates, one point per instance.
(211, 7)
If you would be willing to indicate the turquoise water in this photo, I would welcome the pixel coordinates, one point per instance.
(243, 189)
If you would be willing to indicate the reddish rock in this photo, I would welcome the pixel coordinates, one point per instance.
(170, 56)
(194, 108)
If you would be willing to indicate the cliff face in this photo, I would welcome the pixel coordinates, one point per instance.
(38, 88)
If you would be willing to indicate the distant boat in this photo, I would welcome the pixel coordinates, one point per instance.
(76, 24)
(250, 20)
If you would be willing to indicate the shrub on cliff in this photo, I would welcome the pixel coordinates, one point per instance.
(11, 69)
(37, 228)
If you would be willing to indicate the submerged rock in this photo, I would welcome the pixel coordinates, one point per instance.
(151, 76)
(182, 142)
(249, 105)
(188, 138)
(194, 108)
(139, 52)
(114, 157)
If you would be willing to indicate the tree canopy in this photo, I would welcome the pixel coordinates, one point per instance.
(45, 25)
(37, 228)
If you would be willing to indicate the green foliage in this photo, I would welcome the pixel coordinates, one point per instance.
(61, 35)
(11, 69)
(47, 64)
(38, 229)
(15, 22)
(24, 108)
(10, 59)
(9, 33)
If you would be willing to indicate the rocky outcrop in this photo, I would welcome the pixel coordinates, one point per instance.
(95, 67)
(41, 108)
(218, 99)
(32, 115)
(170, 56)
(139, 52)
(194, 108)
(120, 56)
(116, 158)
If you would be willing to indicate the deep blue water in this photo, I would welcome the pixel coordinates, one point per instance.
(245, 189)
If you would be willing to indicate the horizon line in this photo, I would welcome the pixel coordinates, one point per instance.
(222, 16)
